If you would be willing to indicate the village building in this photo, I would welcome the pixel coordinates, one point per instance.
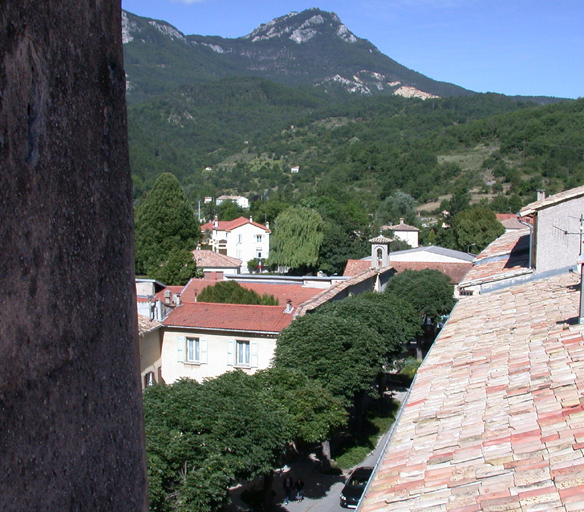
(404, 232)
(242, 202)
(453, 264)
(494, 419)
(216, 263)
(240, 238)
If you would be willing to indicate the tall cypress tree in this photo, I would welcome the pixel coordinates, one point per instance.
(164, 224)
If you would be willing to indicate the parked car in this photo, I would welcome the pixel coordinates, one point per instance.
(353, 490)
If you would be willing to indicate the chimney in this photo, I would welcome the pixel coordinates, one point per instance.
(540, 195)
(167, 295)
(401, 220)
(250, 218)
(288, 309)
(267, 225)
(216, 222)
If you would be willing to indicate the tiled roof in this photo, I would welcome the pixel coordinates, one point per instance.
(402, 226)
(209, 259)
(504, 258)
(283, 292)
(229, 225)
(354, 267)
(145, 325)
(552, 200)
(232, 317)
(456, 272)
(338, 289)
(495, 418)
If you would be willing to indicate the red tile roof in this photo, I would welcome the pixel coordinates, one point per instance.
(232, 317)
(145, 325)
(552, 200)
(505, 257)
(211, 259)
(229, 225)
(454, 271)
(283, 292)
(495, 418)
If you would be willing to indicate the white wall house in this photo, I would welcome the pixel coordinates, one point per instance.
(242, 202)
(239, 238)
(204, 340)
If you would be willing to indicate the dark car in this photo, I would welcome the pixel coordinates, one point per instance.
(353, 490)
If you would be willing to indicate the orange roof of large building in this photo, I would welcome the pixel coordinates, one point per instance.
(232, 317)
(495, 417)
(229, 225)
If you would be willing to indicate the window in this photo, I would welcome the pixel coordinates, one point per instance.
(259, 255)
(193, 350)
(259, 239)
(239, 238)
(242, 353)
(149, 379)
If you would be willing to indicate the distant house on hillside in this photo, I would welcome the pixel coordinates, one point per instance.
(295, 169)
(404, 232)
(240, 238)
(242, 202)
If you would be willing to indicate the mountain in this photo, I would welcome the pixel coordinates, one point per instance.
(308, 48)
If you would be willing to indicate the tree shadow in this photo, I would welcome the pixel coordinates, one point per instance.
(249, 496)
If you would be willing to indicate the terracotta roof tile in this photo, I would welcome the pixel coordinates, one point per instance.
(283, 292)
(229, 225)
(232, 317)
(495, 418)
(145, 325)
(552, 200)
(205, 258)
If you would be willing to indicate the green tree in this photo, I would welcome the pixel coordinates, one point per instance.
(231, 292)
(428, 291)
(201, 438)
(314, 412)
(178, 268)
(477, 226)
(297, 238)
(164, 224)
(344, 355)
(229, 210)
(398, 205)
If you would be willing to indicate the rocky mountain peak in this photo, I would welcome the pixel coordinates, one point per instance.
(301, 27)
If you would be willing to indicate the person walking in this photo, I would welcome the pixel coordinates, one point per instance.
(299, 489)
(288, 486)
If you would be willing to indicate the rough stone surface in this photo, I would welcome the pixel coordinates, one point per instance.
(71, 435)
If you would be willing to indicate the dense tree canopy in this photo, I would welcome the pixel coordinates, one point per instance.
(297, 237)
(200, 438)
(344, 355)
(428, 291)
(476, 226)
(165, 225)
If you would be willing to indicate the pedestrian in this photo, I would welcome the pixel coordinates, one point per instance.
(299, 489)
(288, 486)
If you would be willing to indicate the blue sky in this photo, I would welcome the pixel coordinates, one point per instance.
(525, 47)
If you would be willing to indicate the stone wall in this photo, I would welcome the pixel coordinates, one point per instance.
(71, 434)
